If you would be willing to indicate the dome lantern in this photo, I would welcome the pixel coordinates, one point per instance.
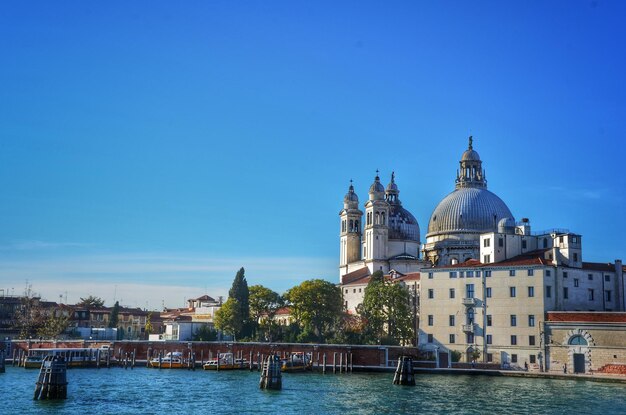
(471, 173)
(377, 190)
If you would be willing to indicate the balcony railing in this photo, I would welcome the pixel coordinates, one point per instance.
(469, 301)
(468, 328)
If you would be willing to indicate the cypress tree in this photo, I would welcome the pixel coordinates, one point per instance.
(239, 291)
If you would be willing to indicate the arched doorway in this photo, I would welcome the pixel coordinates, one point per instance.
(579, 352)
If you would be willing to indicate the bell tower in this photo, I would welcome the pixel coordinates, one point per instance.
(376, 228)
(350, 235)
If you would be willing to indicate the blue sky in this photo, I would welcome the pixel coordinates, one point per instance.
(150, 149)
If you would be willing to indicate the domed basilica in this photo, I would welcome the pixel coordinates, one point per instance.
(389, 240)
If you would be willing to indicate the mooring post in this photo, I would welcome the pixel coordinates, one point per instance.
(404, 372)
(351, 365)
(271, 377)
(334, 362)
(324, 364)
(340, 362)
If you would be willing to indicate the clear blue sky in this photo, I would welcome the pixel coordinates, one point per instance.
(150, 149)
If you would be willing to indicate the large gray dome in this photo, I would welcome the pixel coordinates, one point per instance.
(402, 224)
(468, 209)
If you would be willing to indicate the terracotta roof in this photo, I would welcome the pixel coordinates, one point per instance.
(530, 258)
(283, 311)
(599, 266)
(205, 297)
(586, 316)
(414, 276)
(355, 275)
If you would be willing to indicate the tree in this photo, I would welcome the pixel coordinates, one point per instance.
(205, 334)
(263, 306)
(53, 325)
(315, 305)
(115, 312)
(29, 317)
(148, 327)
(91, 302)
(239, 291)
(386, 308)
(228, 317)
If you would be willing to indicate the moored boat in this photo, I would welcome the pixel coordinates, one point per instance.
(172, 360)
(297, 362)
(226, 361)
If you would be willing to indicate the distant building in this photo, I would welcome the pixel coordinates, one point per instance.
(182, 324)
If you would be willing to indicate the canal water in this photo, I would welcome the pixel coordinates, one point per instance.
(152, 391)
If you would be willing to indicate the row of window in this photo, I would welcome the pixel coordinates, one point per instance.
(470, 319)
(376, 218)
(469, 339)
(469, 292)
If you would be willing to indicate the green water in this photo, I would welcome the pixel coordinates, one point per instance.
(150, 391)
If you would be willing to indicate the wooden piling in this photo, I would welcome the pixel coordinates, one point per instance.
(52, 381)
(13, 360)
(201, 357)
(148, 356)
(404, 372)
(2, 362)
(351, 363)
(334, 362)
(340, 362)
(250, 360)
(324, 364)
(271, 376)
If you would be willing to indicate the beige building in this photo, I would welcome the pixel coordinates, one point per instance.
(584, 342)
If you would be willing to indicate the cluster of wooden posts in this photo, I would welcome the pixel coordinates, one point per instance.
(52, 381)
(404, 372)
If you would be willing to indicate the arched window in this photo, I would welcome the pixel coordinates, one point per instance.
(351, 225)
(382, 217)
(377, 220)
(577, 340)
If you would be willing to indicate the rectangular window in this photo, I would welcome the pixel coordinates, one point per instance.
(512, 291)
(513, 320)
(487, 242)
(590, 277)
(607, 295)
(511, 273)
(488, 319)
(590, 290)
(531, 320)
(430, 319)
(564, 274)
(513, 358)
(531, 340)
(500, 242)
(575, 282)
(451, 320)
(452, 274)
(531, 272)
(470, 338)
(533, 359)
(486, 259)
(489, 339)
(548, 291)
(430, 275)
(607, 278)
(451, 292)
(488, 292)
(523, 243)
(346, 291)
(469, 274)
(487, 274)
(513, 340)
(575, 256)
(531, 291)
(565, 293)
(469, 290)
(477, 274)
(548, 273)
(359, 290)
(452, 338)
(461, 274)
(489, 357)
(353, 290)
(431, 293)
(430, 338)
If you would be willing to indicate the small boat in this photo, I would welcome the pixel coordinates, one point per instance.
(172, 360)
(226, 361)
(297, 362)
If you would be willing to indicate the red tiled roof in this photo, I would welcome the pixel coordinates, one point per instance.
(283, 311)
(355, 275)
(530, 258)
(414, 276)
(599, 266)
(586, 316)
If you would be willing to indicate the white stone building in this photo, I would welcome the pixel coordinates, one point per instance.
(388, 240)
